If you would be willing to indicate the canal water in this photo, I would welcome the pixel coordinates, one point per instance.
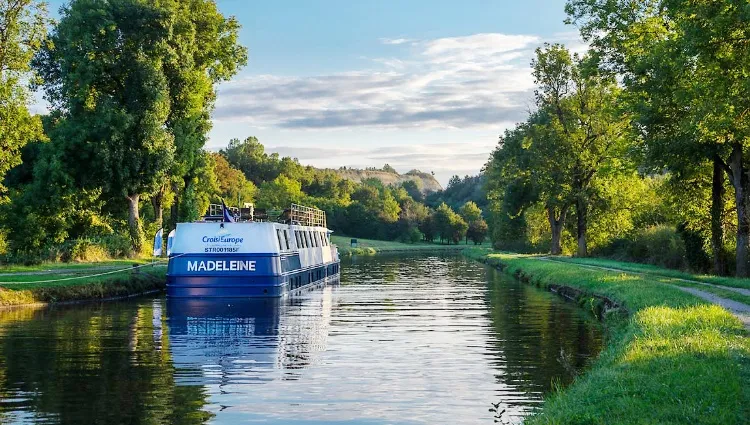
(415, 340)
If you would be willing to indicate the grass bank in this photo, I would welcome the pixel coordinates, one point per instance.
(75, 285)
(671, 358)
(659, 271)
(372, 247)
(70, 266)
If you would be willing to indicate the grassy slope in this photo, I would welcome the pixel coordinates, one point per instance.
(646, 268)
(673, 277)
(371, 246)
(28, 289)
(674, 359)
(45, 267)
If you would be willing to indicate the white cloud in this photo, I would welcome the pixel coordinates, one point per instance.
(396, 41)
(477, 81)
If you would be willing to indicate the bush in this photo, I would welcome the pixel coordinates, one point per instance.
(411, 235)
(658, 245)
(81, 249)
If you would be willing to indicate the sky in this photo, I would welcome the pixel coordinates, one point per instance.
(425, 84)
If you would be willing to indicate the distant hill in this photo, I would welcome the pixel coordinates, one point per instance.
(388, 176)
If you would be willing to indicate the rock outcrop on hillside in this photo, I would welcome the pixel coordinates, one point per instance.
(425, 181)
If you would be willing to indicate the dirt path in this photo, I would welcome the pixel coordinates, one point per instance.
(740, 310)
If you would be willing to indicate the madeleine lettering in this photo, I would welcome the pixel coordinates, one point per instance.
(220, 265)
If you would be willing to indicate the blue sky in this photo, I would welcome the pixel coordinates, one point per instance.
(424, 84)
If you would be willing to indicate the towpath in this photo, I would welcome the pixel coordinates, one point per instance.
(739, 309)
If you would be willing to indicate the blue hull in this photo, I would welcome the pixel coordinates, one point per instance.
(270, 276)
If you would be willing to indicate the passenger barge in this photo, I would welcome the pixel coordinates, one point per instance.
(241, 252)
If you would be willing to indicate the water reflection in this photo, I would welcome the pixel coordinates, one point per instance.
(233, 341)
(403, 340)
(91, 364)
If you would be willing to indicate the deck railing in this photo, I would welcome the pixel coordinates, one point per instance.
(307, 216)
(296, 214)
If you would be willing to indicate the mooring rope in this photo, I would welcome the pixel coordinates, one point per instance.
(91, 275)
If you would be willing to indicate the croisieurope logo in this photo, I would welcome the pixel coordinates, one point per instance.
(222, 239)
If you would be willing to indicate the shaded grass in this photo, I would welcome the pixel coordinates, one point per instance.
(117, 285)
(674, 359)
(372, 246)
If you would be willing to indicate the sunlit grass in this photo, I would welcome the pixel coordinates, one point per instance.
(674, 359)
(108, 286)
(14, 268)
(646, 268)
(372, 246)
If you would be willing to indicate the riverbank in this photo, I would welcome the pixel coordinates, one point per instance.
(373, 247)
(671, 357)
(75, 283)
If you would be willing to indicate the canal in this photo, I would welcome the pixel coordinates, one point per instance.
(401, 340)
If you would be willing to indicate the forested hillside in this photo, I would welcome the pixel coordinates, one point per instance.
(424, 182)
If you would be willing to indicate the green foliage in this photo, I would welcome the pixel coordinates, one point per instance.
(659, 245)
(470, 211)
(459, 191)
(412, 235)
(477, 231)
(279, 193)
(22, 29)
(448, 225)
(233, 187)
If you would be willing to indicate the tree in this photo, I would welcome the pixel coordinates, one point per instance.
(584, 130)
(103, 73)
(470, 212)
(22, 32)
(685, 63)
(477, 231)
(279, 193)
(427, 227)
(458, 228)
(202, 52)
(233, 187)
(414, 189)
(449, 225)
(249, 157)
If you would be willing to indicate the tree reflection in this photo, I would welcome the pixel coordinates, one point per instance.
(93, 364)
(543, 340)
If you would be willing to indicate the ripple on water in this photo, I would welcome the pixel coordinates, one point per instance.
(410, 340)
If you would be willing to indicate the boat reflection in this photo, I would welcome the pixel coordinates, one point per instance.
(237, 341)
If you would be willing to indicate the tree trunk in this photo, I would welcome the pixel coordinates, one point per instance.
(740, 183)
(581, 226)
(158, 201)
(134, 223)
(556, 226)
(717, 222)
(175, 210)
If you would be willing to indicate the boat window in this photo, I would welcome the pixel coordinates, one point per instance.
(325, 242)
(315, 236)
(296, 237)
(307, 239)
(312, 238)
(278, 236)
(286, 238)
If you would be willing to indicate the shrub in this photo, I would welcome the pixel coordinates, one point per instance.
(659, 245)
(411, 235)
